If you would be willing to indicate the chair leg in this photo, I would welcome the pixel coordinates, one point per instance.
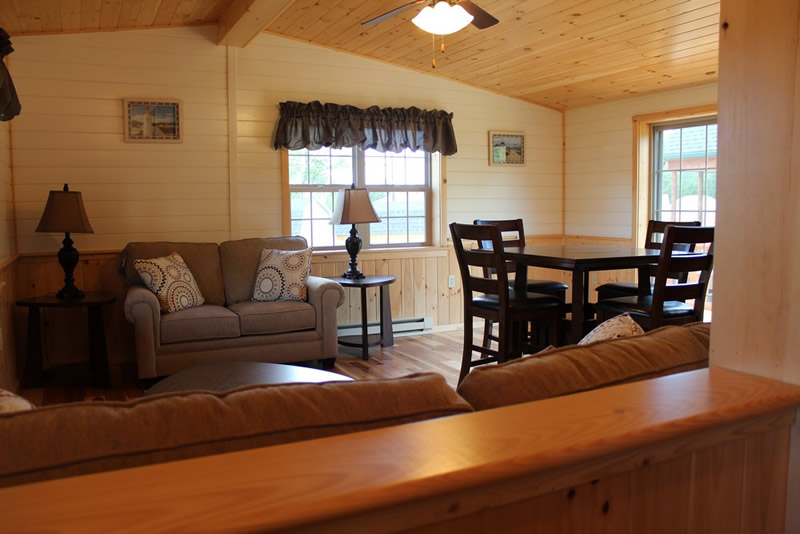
(466, 356)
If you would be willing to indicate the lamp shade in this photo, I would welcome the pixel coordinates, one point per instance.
(442, 19)
(353, 207)
(64, 212)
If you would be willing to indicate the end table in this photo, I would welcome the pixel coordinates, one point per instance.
(386, 337)
(32, 375)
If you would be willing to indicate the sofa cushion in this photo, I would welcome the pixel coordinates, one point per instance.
(203, 322)
(282, 275)
(239, 260)
(274, 317)
(171, 281)
(618, 326)
(80, 438)
(575, 368)
(201, 258)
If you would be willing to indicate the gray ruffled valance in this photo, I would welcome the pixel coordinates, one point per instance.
(315, 125)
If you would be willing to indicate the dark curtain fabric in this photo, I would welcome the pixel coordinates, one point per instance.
(9, 102)
(315, 125)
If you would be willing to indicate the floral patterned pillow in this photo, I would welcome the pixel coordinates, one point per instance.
(171, 281)
(9, 402)
(282, 275)
(616, 327)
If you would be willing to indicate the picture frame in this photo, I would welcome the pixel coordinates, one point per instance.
(153, 121)
(507, 148)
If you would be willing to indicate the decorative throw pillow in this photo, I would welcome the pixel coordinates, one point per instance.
(171, 281)
(9, 402)
(616, 327)
(282, 275)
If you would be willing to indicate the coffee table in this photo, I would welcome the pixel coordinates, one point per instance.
(222, 376)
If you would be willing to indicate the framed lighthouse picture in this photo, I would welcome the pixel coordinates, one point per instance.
(153, 121)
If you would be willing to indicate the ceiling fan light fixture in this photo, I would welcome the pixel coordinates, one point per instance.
(442, 19)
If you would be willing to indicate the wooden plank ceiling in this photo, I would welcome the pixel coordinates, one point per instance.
(558, 53)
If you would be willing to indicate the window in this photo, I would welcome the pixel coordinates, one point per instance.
(399, 186)
(684, 171)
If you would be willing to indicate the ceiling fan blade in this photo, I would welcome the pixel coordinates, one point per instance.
(481, 19)
(393, 12)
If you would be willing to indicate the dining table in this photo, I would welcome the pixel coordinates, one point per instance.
(580, 260)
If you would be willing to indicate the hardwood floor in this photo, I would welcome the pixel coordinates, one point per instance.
(438, 353)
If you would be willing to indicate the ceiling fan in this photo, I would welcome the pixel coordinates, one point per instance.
(480, 18)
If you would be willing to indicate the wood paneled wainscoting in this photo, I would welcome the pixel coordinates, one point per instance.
(9, 362)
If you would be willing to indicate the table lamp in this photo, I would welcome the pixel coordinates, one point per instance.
(353, 207)
(64, 212)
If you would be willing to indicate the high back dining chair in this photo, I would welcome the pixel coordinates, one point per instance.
(491, 297)
(513, 233)
(653, 239)
(667, 304)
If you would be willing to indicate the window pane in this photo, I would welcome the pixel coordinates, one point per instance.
(342, 170)
(396, 170)
(301, 205)
(374, 168)
(416, 203)
(416, 230)
(398, 204)
(319, 170)
(415, 171)
(398, 230)
(340, 234)
(670, 149)
(378, 233)
(380, 201)
(302, 228)
(322, 233)
(298, 169)
(321, 206)
(693, 147)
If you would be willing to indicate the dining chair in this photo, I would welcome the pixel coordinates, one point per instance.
(653, 238)
(491, 297)
(513, 233)
(667, 303)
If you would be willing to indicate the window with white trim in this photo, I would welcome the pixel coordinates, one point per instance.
(684, 171)
(399, 187)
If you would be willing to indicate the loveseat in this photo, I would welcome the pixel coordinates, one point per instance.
(229, 325)
(101, 436)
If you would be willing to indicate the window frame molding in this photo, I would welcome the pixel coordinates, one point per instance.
(643, 156)
(436, 205)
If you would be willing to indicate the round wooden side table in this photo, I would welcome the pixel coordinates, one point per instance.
(33, 375)
(386, 337)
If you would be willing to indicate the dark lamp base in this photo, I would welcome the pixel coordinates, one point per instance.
(353, 274)
(353, 246)
(68, 258)
(70, 292)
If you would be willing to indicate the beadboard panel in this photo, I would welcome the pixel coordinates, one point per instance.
(72, 87)
(273, 69)
(7, 240)
(599, 163)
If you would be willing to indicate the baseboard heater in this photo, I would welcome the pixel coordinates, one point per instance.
(415, 325)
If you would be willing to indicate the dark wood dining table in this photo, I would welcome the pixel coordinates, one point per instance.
(580, 260)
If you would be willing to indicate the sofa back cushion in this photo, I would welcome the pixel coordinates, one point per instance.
(576, 368)
(240, 258)
(75, 439)
(202, 259)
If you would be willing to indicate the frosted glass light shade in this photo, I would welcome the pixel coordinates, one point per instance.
(442, 19)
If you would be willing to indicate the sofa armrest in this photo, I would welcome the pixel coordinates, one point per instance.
(326, 296)
(142, 309)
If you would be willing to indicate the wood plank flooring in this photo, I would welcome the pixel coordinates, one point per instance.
(437, 352)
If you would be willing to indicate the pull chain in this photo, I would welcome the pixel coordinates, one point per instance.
(433, 47)
(442, 44)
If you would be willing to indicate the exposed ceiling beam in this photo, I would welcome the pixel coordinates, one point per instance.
(244, 19)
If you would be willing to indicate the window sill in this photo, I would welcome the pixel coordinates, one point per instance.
(385, 253)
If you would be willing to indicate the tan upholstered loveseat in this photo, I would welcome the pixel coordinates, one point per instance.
(229, 325)
(101, 436)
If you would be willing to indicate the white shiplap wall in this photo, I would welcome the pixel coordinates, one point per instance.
(7, 245)
(273, 69)
(599, 160)
(71, 88)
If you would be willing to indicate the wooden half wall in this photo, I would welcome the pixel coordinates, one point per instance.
(421, 290)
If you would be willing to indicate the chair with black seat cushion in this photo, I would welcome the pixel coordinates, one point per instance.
(653, 239)
(513, 234)
(491, 297)
(667, 304)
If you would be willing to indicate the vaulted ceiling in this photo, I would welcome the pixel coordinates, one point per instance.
(558, 53)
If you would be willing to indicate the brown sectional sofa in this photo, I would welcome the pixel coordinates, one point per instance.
(101, 436)
(228, 325)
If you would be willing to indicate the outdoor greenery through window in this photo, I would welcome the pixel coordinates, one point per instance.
(398, 184)
(685, 172)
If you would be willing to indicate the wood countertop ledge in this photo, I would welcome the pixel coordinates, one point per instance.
(404, 476)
